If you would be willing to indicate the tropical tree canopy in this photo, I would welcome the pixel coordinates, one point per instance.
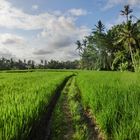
(115, 49)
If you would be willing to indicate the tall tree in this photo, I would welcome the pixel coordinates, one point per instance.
(100, 39)
(85, 43)
(79, 46)
(129, 36)
(100, 27)
(126, 11)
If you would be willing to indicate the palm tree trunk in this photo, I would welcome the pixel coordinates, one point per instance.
(132, 58)
(127, 18)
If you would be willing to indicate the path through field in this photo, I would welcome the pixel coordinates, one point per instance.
(41, 129)
(69, 120)
(65, 118)
(62, 127)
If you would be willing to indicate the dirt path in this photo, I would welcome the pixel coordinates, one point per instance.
(94, 132)
(65, 118)
(67, 115)
(62, 128)
(70, 121)
(41, 128)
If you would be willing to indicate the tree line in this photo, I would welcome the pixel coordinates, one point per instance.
(11, 64)
(115, 49)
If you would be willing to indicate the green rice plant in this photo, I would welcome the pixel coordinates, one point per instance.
(81, 131)
(23, 98)
(67, 121)
(114, 99)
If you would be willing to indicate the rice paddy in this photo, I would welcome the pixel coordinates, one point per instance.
(111, 98)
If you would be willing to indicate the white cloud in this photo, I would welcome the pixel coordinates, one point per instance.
(15, 46)
(11, 39)
(118, 20)
(12, 17)
(134, 2)
(62, 34)
(35, 7)
(60, 40)
(55, 41)
(112, 3)
(77, 12)
(6, 54)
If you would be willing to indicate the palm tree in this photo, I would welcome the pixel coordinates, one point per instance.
(79, 46)
(11, 63)
(129, 36)
(126, 12)
(85, 43)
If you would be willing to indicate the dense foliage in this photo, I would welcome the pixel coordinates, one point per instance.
(115, 49)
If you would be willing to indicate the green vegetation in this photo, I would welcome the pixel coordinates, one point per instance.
(114, 99)
(12, 64)
(80, 127)
(115, 49)
(111, 98)
(23, 99)
(68, 122)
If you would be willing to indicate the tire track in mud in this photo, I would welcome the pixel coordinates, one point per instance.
(41, 128)
(65, 118)
(70, 121)
(62, 128)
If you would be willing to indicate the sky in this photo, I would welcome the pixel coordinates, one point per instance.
(48, 29)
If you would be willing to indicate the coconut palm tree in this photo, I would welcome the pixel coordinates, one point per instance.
(126, 12)
(79, 46)
(129, 36)
(85, 43)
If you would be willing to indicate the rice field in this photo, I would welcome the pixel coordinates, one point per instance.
(23, 98)
(111, 98)
(114, 100)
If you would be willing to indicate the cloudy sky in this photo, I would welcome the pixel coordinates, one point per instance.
(48, 29)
